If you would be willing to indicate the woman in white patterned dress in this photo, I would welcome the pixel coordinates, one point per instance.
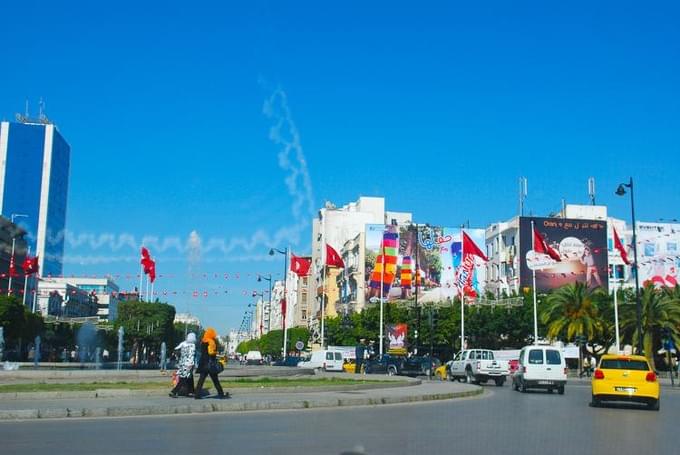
(185, 367)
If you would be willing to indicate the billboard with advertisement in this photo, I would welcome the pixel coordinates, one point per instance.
(396, 334)
(658, 253)
(431, 259)
(581, 244)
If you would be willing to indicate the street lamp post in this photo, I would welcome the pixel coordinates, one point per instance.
(620, 191)
(273, 251)
(269, 306)
(261, 319)
(14, 240)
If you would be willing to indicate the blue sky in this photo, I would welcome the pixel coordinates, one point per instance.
(440, 108)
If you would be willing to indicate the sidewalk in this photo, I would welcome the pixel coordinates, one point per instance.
(242, 400)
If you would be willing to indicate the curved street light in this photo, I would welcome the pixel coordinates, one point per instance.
(621, 191)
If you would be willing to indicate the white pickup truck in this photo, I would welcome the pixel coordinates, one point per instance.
(476, 366)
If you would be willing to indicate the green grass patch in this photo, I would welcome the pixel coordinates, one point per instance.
(161, 385)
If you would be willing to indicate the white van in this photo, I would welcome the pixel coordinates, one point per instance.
(327, 360)
(254, 358)
(540, 367)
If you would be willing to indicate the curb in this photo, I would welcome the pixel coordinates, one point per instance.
(114, 393)
(227, 406)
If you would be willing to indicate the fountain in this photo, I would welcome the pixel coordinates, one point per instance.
(36, 357)
(163, 355)
(86, 338)
(121, 332)
(98, 358)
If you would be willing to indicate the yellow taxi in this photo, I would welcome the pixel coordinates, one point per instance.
(625, 378)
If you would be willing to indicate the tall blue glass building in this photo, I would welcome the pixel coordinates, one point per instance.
(35, 160)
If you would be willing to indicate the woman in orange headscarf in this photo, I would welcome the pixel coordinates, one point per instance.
(208, 364)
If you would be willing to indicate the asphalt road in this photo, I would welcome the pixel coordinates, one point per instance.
(501, 421)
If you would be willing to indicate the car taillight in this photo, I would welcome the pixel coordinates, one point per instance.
(651, 377)
(599, 374)
(479, 365)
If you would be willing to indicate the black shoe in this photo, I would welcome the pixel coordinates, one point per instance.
(223, 396)
(172, 395)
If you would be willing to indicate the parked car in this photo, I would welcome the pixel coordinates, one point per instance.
(625, 378)
(401, 365)
(540, 367)
(476, 366)
(254, 358)
(327, 360)
(290, 361)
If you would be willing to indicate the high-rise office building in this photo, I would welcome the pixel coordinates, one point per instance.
(34, 175)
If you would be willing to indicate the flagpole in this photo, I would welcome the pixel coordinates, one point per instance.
(323, 306)
(461, 290)
(285, 298)
(616, 316)
(147, 289)
(28, 254)
(141, 281)
(323, 279)
(152, 283)
(533, 273)
(382, 281)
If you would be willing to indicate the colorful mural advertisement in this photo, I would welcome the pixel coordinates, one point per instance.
(582, 249)
(658, 253)
(431, 259)
(396, 334)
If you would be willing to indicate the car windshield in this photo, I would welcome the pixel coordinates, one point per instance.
(624, 364)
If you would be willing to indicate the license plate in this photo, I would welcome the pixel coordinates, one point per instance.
(625, 389)
(545, 382)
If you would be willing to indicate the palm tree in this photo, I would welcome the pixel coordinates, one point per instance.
(574, 310)
(660, 309)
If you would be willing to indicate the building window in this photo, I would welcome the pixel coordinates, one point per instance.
(304, 315)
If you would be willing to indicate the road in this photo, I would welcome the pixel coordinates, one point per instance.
(501, 421)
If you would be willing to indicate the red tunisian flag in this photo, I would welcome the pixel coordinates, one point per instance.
(148, 264)
(152, 270)
(12, 268)
(30, 265)
(466, 270)
(619, 246)
(540, 246)
(300, 266)
(333, 258)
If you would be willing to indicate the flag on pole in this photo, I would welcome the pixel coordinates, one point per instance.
(148, 264)
(300, 266)
(541, 246)
(388, 257)
(619, 246)
(12, 268)
(333, 259)
(152, 270)
(30, 265)
(466, 269)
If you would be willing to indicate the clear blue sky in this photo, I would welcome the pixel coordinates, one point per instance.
(439, 107)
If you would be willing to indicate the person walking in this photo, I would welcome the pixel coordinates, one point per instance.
(208, 364)
(185, 368)
(359, 351)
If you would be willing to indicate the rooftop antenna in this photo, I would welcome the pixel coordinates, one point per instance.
(522, 194)
(591, 190)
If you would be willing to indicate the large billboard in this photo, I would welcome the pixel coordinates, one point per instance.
(658, 253)
(432, 259)
(581, 244)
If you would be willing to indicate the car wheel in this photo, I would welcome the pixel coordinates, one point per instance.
(449, 377)
(550, 391)
(514, 386)
(523, 386)
(654, 405)
(560, 390)
(469, 378)
(499, 382)
(594, 402)
(391, 371)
